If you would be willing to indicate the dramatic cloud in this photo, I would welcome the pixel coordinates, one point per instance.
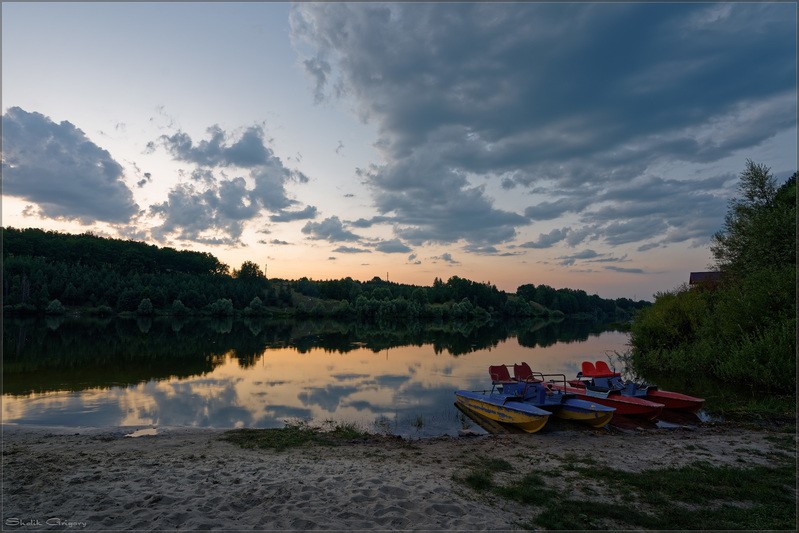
(213, 210)
(247, 152)
(446, 257)
(547, 240)
(351, 250)
(584, 255)
(214, 216)
(289, 216)
(394, 246)
(578, 102)
(60, 169)
(330, 229)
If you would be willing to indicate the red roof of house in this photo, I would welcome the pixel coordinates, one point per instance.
(704, 277)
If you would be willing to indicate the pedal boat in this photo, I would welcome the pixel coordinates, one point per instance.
(530, 386)
(506, 408)
(601, 378)
(624, 405)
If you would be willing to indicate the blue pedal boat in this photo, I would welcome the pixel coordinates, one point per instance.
(504, 406)
(534, 388)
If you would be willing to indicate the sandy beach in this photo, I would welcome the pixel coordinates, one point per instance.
(189, 479)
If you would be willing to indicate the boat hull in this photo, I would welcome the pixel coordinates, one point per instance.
(588, 412)
(500, 408)
(624, 405)
(491, 426)
(675, 400)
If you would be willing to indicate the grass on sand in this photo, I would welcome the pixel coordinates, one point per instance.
(294, 434)
(696, 496)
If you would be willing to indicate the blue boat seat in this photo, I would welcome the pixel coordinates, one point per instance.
(500, 375)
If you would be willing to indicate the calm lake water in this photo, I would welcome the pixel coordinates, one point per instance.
(227, 374)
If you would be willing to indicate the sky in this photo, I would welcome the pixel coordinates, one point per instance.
(593, 146)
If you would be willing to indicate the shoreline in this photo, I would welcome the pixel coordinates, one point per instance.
(189, 478)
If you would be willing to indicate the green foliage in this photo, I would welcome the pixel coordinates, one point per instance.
(178, 309)
(145, 307)
(221, 307)
(103, 310)
(88, 272)
(578, 302)
(256, 307)
(94, 251)
(55, 308)
(249, 272)
(743, 331)
(760, 227)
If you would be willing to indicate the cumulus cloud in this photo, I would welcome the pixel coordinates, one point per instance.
(246, 152)
(393, 246)
(213, 209)
(351, 250)
(446, 257)
(213, 216)
(56, 166)
(580, 101)
(288, 216)
(330, 229)
(569, 260)
(547, 240)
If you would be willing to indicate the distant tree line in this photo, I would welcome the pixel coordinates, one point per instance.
(50, 272)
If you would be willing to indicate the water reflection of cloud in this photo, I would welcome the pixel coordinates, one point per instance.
(202, 403)
(283, 412)
(391, 380)
(345, 377)
(328, 398)
(402, 384)
(62, 408)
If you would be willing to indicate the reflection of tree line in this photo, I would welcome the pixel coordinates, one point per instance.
(73, 354)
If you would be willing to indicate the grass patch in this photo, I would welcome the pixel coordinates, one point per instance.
(571, 460)
(783, 442)
(479, 480)
(496, 464)
(481, 477)
(530, 490)
(293, 435)
(698, 496)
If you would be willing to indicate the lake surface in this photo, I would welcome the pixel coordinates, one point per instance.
(234, 373)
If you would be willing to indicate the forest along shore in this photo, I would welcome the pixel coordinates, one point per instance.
(56, 478)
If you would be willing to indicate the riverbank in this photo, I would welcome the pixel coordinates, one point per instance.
(187, 479)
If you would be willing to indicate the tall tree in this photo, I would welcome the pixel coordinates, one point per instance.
(760, 227)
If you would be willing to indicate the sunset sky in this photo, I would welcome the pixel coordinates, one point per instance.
(591, 146)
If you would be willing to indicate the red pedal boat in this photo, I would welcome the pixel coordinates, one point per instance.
(601, 378)
(624, 405)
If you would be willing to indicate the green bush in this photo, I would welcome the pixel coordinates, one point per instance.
(744, 330)
(55, 308)
(145, 307)
(179, 309)
(221, 307)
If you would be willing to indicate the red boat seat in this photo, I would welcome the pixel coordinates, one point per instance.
(523, 372)
(588, 369)
(604, 371)
(499, 374)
